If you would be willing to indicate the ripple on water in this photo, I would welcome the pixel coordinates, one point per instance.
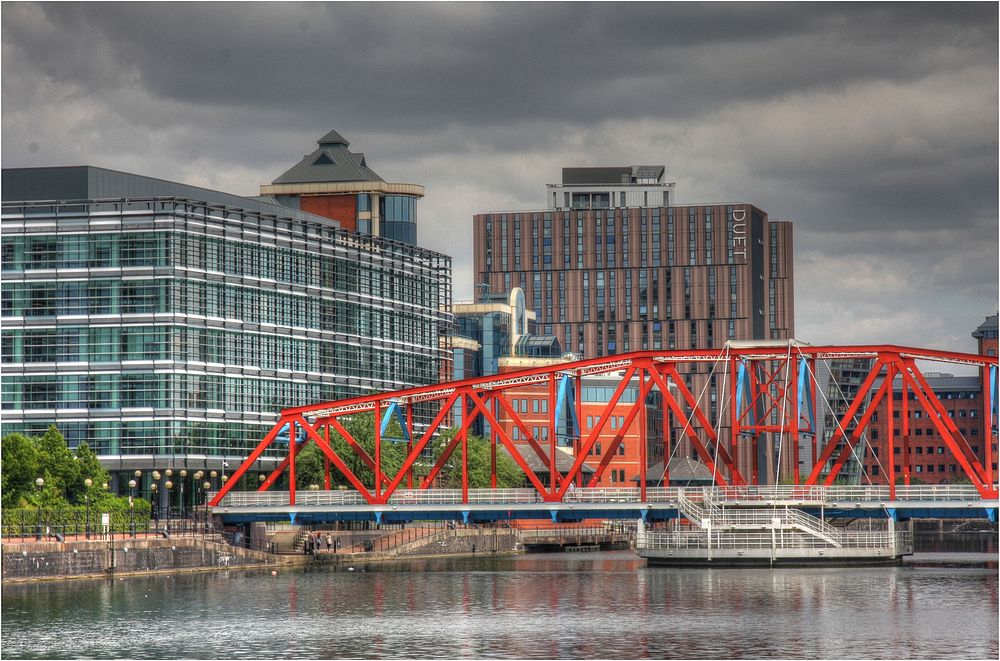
(554, 606)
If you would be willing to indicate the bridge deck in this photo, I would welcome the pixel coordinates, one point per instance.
(953, 501)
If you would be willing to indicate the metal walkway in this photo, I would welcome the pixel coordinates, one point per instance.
(486, 505)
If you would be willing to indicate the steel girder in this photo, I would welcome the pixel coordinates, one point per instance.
(771, 389)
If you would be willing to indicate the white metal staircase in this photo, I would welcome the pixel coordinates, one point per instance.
(700, 508)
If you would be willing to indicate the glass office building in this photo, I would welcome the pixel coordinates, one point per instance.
(167, 325)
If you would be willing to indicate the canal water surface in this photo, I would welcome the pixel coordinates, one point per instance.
(571, 605)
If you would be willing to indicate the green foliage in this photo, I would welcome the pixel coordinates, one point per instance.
(26, 458)
(22, 463)
(509, 474)
(309, 461)
(18, 521)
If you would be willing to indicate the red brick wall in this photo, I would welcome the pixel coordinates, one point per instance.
(928, 453)
(342, 208)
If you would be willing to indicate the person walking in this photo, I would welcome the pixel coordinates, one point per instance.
(329, 541)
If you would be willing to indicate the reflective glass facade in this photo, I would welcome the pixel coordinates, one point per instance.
(172, 325)
(399, 218)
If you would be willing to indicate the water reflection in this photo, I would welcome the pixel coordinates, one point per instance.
(601, 605)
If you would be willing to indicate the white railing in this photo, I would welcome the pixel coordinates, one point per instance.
(720, 518)
(711, 497)
(958, 492)
(766, 540)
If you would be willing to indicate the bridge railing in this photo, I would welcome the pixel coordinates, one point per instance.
(838, 495)
(820, 494)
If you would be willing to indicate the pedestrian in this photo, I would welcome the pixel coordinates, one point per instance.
(329, 541)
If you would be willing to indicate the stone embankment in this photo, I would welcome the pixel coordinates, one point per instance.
(99, 558)
(442, 542)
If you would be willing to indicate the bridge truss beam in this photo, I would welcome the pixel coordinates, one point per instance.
(771, 389)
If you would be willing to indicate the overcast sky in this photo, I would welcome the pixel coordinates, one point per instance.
(873, 127)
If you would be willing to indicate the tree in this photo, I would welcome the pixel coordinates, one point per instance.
(310, 460)
(22, 463)
(27, 458)
(509, 474)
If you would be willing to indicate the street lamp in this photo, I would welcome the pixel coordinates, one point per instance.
(196, 482)
(155, 506)
(131, 507)
(183, 479)
(213, 475)
(86, 495)
(169, 485)
(169, 474)
(40, 482)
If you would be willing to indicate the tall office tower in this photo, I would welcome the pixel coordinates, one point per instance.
(614, 265)
(167, 325)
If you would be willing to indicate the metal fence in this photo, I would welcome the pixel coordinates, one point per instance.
(771, 539)
(600, 495)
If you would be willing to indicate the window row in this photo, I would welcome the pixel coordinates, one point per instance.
(163, 437)
(216, 300)
(149, 390)
(237, 258)
(209, 345)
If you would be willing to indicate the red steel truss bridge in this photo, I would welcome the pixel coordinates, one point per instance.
(767, 388)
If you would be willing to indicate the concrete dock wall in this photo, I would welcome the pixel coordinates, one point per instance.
(40, 560)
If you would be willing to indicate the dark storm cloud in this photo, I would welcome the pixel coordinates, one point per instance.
(489, 63)
(872, 126)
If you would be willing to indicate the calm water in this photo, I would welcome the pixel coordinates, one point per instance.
(600, 605)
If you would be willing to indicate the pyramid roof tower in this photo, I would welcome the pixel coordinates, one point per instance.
(330, 162)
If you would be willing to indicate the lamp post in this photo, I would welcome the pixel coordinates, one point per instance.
(206, 485)
(86, 496)
(213, 475)
(131, 507)
(169, 475)
(183, 475)
(138, 486)
(40, 482)
(155, 488)
(155, 506)
(168, 485)
(196, 483)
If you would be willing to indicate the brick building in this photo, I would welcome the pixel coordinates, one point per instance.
(921, 452)
(614, 265)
